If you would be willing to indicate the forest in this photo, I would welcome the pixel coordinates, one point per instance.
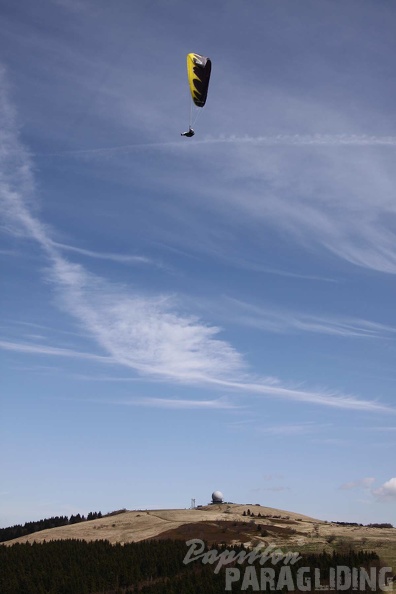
(150, 567)
(18, 530)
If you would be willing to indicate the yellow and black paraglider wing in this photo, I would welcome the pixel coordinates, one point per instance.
(198, 69)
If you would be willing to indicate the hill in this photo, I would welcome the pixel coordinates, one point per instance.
(230, 524)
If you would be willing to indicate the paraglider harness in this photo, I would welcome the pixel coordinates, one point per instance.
(189, 133)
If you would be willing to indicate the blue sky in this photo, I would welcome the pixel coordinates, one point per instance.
(184, 315)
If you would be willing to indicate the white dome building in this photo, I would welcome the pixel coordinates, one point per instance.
(217, 497)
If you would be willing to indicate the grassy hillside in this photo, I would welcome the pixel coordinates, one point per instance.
(230, 524)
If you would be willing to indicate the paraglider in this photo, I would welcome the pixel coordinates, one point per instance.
(198, 72)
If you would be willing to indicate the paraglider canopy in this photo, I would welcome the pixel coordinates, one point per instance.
(198, 70)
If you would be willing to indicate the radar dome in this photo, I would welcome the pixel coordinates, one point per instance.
(217, 497)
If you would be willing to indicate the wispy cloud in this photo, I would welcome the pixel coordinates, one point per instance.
(364, 483)
(337, 200)
(332, 191)
(282, 321)
(38, 349)
(327, 191)
(324, 398)
(291, 429)
(146, 334)
(178, 403)
(286, 140)
(335, 140)
(121, 258)
(205, 375)
(171, 403)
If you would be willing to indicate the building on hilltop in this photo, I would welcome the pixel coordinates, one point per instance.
(217, 497)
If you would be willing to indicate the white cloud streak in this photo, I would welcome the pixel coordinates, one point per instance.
(171, 403)
(331, 399)
(181, 404)
(121, 258)
(287, 140)
(36, 349)
(309, 140)
(282, 321)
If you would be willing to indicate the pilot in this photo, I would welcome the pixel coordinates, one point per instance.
(189, 133)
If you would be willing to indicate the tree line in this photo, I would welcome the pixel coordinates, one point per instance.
(375, 525)
(147, 567)
(30, 527)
